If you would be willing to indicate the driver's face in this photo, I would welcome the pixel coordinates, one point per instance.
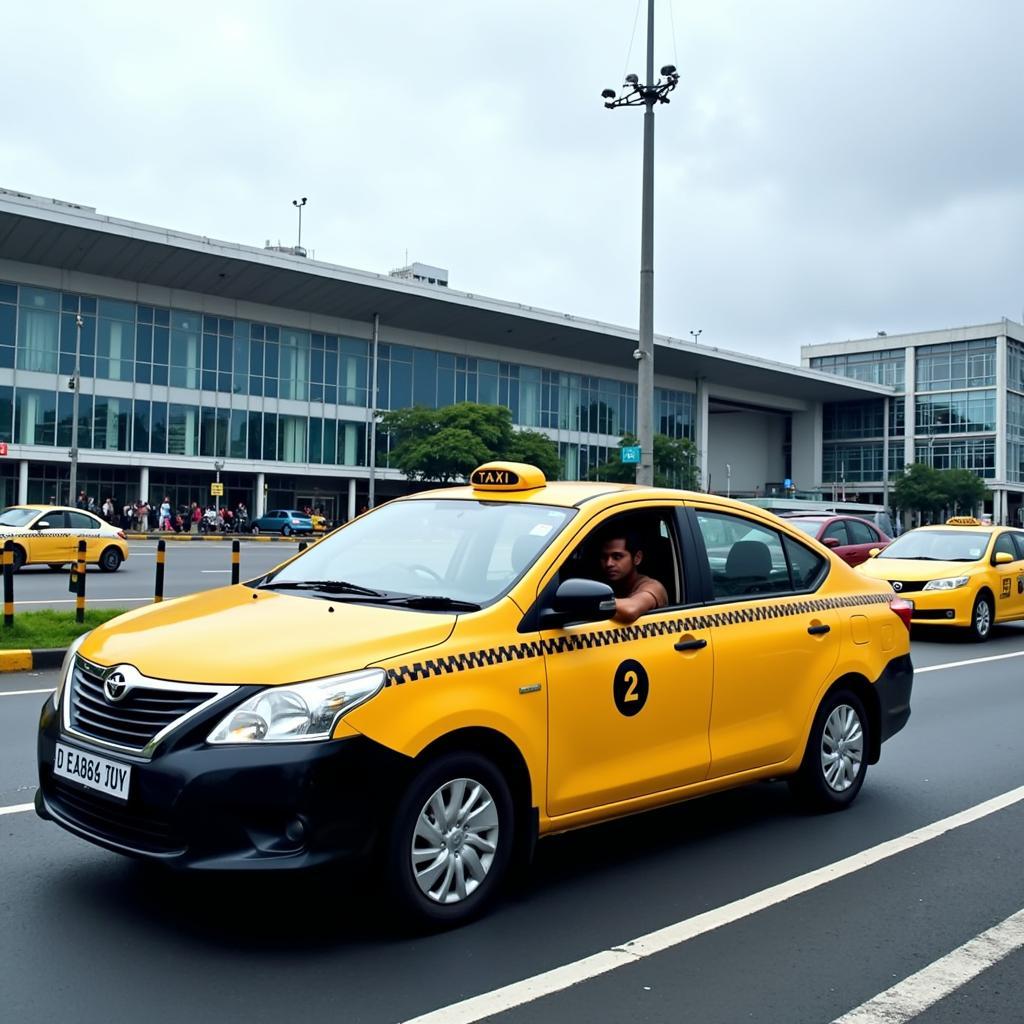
(616, 561)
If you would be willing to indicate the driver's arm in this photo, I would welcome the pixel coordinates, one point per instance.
(628, 609)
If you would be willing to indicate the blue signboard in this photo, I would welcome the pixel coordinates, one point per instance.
(630, 453)
(788, 484)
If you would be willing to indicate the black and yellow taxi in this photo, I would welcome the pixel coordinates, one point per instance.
(473, 682)
(963, 573)
(49, 535)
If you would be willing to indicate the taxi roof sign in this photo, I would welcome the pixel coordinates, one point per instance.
(506, 476)
(964, 521)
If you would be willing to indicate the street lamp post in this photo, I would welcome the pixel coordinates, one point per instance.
(728, 480)
(696, 335)
(218, 466)
(76, 384)
(646, 96)
(299, 203)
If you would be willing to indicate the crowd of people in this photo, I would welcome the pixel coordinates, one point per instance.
(146, 517)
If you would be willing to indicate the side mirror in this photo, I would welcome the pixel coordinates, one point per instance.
(579, 600)
(42, 525)
(1002, 558)
(873, 552)
(830, 542)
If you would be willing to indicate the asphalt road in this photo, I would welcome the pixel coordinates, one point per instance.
(87, 936)
(189, 566)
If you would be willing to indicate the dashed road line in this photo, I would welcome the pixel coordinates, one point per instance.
(17, 808)
(912, 996)
(969, 661)
(22, 693)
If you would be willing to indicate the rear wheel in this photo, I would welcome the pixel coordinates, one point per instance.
(110, 560)
(982, 615)
(835, 761)
(286, 530)
(451, 840)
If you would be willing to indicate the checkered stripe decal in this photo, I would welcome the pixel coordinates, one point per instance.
(467, 660)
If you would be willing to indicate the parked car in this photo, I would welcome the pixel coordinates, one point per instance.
(283, 521)
(850, 537)
(49, 535)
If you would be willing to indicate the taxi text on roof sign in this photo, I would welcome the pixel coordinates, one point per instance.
(964, 521)
(507, 476)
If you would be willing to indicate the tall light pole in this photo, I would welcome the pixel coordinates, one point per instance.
(647, 96)
(76, 386)
(728, 480)
(696, 335)
(218, 466)
(299, 203)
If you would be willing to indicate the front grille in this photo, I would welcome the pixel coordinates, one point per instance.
(137, 828)
(137, 719)
(907, 586)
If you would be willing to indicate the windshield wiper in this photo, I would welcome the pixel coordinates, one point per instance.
(434, 602)
(327, 586)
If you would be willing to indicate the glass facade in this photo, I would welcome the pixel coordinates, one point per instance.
(846, 421)
(959, 412)
(956, 364)
(974, 453)
(885, 367)
(220, 387)
(858, 463)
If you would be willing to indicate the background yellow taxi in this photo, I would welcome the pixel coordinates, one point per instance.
(451, 676)
(49, 535)
(963, 573)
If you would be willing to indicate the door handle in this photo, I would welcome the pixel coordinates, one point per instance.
(819, 630)
(693, 644)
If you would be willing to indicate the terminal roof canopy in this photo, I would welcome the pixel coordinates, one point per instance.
(73, 238)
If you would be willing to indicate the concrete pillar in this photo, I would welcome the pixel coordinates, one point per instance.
(261, 496)
(909, 409)
(700, 432)
(351, 499)
(806, 447)
(1002, 433)
(23, 482)
(144, 483)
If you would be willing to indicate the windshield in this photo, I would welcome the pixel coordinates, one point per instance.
(467, 551)
(17, 516)
(939, 545)
(809, 526)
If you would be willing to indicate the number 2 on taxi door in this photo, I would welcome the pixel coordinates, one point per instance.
(631, 694)
(630, 688)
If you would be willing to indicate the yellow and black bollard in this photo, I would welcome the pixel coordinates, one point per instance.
(236, 548)
(161, 554)
(80, 589)
(8, 563)
(303, 545)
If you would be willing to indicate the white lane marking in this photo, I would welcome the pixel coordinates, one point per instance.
(970, 661)
(17, 808)
(906, 999)
(560, 978)
(215, 570)
(22, 693)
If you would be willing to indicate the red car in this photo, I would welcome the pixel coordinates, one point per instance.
(850, 537)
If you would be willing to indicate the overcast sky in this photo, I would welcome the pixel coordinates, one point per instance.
(825, 169)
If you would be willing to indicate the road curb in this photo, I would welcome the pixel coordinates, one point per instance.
(179, 538)
(26, 660)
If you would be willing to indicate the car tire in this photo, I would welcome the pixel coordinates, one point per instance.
(836, 758)
(286, 530)
(110, 560)
(450, 841)
(982, 617)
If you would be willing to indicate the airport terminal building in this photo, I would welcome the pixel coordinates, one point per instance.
(198, 354)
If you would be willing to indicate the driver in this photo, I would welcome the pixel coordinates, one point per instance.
(620, 560)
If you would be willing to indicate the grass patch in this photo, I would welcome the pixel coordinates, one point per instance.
(49, 628)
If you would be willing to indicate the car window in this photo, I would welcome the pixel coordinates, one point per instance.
(745, 558)
(80, 521)
(837, 531)
(651, 530)
(54, 520)
(17, 516)
(806, 566)
(808, 526)
(1019, 541)
(1004, 543)
(939, 545)
(860, 533)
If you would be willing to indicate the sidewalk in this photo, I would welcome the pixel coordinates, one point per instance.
(258, 538)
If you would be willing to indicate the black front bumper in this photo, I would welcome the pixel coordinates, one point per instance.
(229, 807)
(893, 687)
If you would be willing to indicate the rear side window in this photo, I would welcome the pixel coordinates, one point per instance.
(837, 531)
(860, 533)
(806, 566)
(745, 558)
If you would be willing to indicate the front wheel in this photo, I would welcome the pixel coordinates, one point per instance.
(286, 531)
(451, 840)
(110, 560)
(982, 615)
(835, 761)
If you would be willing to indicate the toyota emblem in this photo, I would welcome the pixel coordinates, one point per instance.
(897, 585)
(115, 686)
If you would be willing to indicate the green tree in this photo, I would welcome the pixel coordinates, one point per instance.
(675, 463)
(447, 444)
(925, 489)
(965, 491)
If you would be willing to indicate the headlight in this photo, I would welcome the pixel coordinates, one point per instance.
(305, 711)
(65, 669)
(951, 583)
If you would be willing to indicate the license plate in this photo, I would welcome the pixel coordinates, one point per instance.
(93, 772)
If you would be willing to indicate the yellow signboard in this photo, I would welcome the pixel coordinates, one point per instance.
(217, 490)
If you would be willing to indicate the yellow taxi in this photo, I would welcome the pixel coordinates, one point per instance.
(964, 573)
(319, 522)
(490, 664)
(49, 535)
